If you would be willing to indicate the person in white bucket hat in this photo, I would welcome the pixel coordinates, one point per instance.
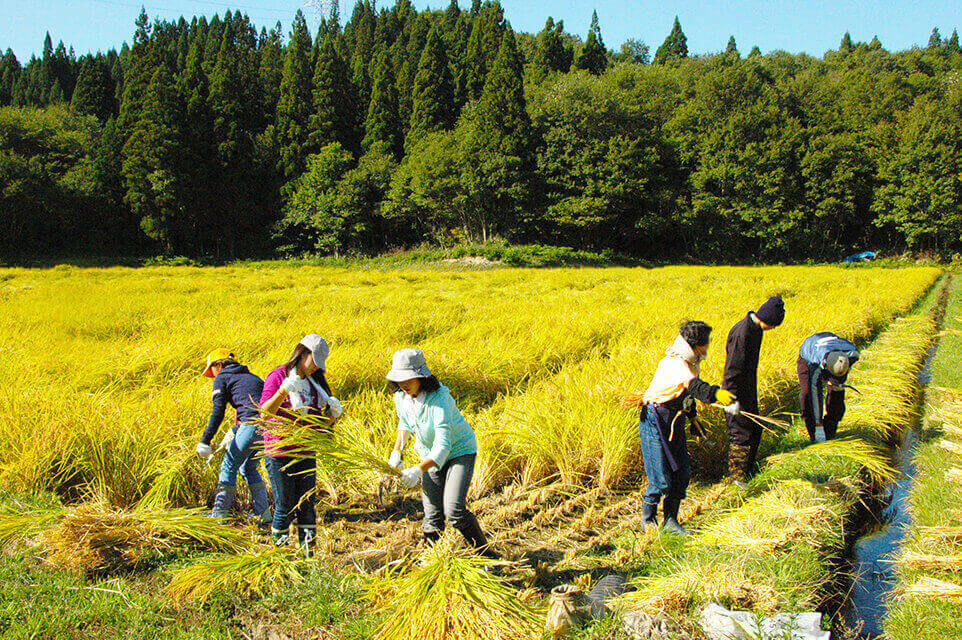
(297, 386)
(445, 443)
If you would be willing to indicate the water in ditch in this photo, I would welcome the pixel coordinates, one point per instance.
(875, 570)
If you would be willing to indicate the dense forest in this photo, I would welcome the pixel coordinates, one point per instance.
(397, 127)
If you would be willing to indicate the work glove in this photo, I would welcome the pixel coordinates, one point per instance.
(410, 477)
(724, 397)
(819, 433)
(228, 439)
(335, 406)
(395, 460)
(293, 382)
(204, 450)
(734, 408)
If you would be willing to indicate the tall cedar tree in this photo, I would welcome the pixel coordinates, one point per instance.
(295, 103)
(483, 44)
(383, 124)
(152, 168)
(594, 55)
(94, 91)
(550, 54)
(433, 106)
(334, 108)
(675, 46)
(502, 140)
(271, 70)
(10, 71)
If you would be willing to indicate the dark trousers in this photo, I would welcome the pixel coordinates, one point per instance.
(669, 472)
(444, 494)
(834, 405)
(291, 480)
(743, 432)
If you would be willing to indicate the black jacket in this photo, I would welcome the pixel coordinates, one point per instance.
(237, 386)
(741, 362)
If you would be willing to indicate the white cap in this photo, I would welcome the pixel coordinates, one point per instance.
(318, 347)
(408, 364)
(836, 363)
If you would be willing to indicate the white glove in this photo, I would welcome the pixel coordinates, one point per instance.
(203, 450)
(820, 434)
(335, 406)
(410, 477)
(395, 460)
(733, 409)
(293, 382)
(228, 438)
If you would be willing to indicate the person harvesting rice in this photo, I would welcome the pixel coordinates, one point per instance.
(668, 403)
(824, 358)
(298, 386)
(235, 385)
(741, 378)
(446, 444)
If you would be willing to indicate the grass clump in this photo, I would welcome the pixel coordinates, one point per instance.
(449, 594)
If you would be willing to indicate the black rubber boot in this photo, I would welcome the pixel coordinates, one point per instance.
(738, 456)
(671, 524)
(432, 536)
(471, 530)
(649, 510)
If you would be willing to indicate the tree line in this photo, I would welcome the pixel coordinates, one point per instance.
(211, 138)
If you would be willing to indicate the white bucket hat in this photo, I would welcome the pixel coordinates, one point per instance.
(318, 347)
(408, 364)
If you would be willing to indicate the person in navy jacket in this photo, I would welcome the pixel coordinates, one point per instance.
(236, 386)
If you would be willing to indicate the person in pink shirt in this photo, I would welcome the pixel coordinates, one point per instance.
(298, 386)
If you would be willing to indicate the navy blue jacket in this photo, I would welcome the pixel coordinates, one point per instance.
(237, 386)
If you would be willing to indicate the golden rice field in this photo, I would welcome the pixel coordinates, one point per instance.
(100, 390)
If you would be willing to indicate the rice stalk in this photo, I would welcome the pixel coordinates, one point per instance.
(840, 457)
(450, 595)
(933, 589)
(263, 570)
(95, 537)
(17, 526)
(930, 562)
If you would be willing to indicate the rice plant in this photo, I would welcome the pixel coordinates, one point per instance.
(261, 571)
(449, 594)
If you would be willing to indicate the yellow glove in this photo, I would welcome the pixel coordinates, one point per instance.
(724, 397)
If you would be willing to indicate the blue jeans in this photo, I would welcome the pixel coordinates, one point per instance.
(289, 486)
(239, 457)
(663, 480)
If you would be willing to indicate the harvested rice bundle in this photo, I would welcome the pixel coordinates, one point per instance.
(940, 534)
(689, 586)
(791, 510)
(931, 562)
(934, 589)
(450, 595)
(96, 538)
(22, 524)
(257, 573)
(837, 458)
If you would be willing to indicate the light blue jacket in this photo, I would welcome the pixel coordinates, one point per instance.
(440, 431)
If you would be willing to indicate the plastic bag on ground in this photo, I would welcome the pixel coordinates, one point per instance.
(719, 623)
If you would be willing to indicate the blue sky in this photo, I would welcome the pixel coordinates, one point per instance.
(812, 27)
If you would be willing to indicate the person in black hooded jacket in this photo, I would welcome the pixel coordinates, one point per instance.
(235, 385)
(741, 378)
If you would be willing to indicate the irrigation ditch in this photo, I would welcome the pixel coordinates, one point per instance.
(879, 523)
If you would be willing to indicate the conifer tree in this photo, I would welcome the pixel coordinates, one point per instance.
(594, 55)
(846, 45)
(755, 52)
(935, 40)
(333, 118)
(9, 77)
(675, 46)
(294, 102)
(270, 71)
(483, 44)
(433, 105)
(94, 91)
(383, 124)
(732, 48)
(953, 41)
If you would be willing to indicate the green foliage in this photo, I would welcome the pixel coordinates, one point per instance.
(433, 107)
(675, 46)
(594, 56)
